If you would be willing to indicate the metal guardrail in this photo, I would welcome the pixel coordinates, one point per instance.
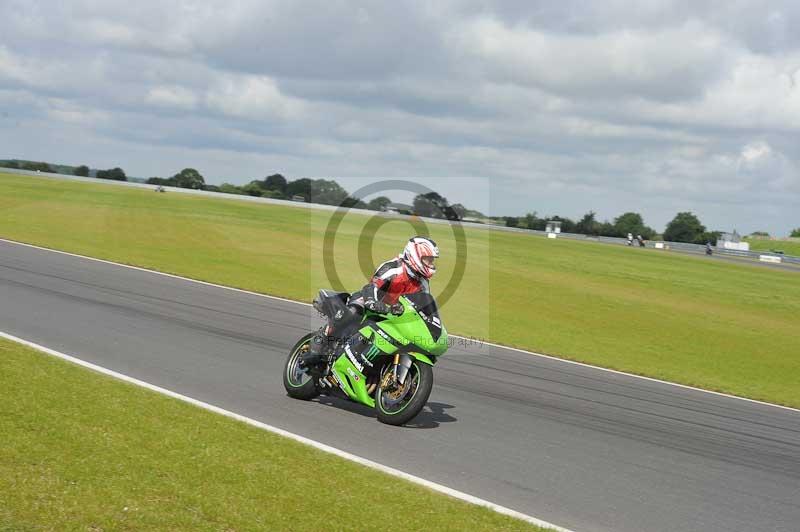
(673, 246)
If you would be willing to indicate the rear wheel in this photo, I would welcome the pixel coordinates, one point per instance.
(397, 404)
(296, 379)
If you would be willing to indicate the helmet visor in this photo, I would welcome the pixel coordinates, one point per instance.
(429, 261)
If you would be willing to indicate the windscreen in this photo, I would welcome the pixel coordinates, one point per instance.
(424, 303)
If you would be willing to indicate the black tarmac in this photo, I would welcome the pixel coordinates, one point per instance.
(582, 448)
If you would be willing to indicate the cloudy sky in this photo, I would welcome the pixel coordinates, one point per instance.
(562, 107)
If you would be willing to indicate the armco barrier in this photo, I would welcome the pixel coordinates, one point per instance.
(673, 246)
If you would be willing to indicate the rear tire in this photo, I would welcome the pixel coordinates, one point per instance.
(399, 411)
(298, 383)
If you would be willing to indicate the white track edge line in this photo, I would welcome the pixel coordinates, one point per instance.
(296, 437)
(518, 350)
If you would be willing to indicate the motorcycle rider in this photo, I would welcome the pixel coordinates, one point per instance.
(409, 273)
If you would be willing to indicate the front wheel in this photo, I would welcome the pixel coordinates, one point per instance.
(398, 404)
(298, 383)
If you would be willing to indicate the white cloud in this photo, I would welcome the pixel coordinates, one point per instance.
(757, 92)
(253, 98)
(754, 152)
(666, 64)
(73, 114)
(567, 106)
(172, 96)
(768, 169)
(15, 68)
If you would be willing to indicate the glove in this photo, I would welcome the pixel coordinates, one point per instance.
(397, 309)
(378, 306)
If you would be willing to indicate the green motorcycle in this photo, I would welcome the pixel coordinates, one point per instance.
(386, 363)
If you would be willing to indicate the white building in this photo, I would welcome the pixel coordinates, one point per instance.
(732, 241)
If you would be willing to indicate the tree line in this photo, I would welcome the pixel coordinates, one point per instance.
(684, 227)
(115, 174)
(276, 186)
(629, 222)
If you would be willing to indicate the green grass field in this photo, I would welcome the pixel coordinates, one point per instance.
(789, 247)
(708, 323)
(83, 451)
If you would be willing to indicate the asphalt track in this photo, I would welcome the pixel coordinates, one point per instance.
(576, 446)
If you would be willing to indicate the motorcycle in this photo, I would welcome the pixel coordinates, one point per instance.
(385, 363)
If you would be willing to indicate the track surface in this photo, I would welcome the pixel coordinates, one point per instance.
(579, 447)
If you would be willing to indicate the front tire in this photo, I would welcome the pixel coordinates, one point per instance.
(399, 406)
(298, 383)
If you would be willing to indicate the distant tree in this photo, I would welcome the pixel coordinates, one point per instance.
(115, 174)
(276, 182)
(533, 222)
(529, 220)
(379, 204)
(431, 205)
(685, 227)
(451, 214)
(460, 210)
(512, 221)
(760, 233)
(189, 178)
(36, 167)
(227, 188)
(272, 194)
(588, 225)
(9, 164)
(81, 170)
(607, 229)
(327, 192)
(253, 188)
(632, 222)
(299, 187)
(211, 188)
(160, 181)
(353, 203)
(423, 206)
(795, 233)
(709, 236)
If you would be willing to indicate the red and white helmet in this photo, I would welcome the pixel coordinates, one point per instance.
(420, 255)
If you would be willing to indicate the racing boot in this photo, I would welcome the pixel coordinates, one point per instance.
(316, 353)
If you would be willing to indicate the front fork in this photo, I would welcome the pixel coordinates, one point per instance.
(402, 363)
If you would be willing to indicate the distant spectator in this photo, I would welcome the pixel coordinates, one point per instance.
(640, 240)
(630, 239)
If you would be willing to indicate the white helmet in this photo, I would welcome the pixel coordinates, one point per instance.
(420, 254)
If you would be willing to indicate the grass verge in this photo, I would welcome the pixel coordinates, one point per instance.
(697, 321)
(789, 247)
(83, 451)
